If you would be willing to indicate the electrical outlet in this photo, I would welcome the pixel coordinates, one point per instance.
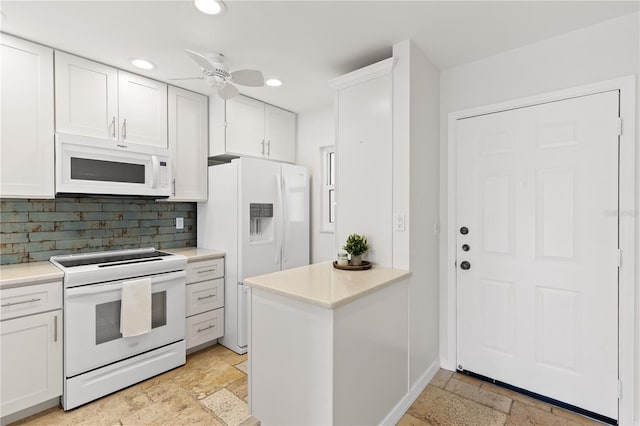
(179, 223)
(399, 224)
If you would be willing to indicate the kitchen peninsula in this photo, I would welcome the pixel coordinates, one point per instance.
(327, 346)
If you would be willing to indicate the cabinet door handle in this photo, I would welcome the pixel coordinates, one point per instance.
(202, 271)
(206, 297)
(262, 143)
(269, 148)
(55, 328)
(113, 127)
(20, 303)
(124, 129)
(173, 192)
(206, 328)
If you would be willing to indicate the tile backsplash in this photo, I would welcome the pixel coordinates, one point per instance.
(34, 230)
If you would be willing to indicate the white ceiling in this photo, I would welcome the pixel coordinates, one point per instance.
(305, 43)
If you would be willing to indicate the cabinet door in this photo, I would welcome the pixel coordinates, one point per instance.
(188, 144)
(280, 134)
(86, 97)
(245, 127)
(31, 360)
(143, 110)
(364, 169)
(26, 133)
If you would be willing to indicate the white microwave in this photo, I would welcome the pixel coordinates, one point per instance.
(91, 166)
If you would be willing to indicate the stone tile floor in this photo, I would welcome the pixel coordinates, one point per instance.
(456, 399)
(211, 389)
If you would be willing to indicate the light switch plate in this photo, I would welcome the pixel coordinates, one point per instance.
(179, 223)
(399, 223)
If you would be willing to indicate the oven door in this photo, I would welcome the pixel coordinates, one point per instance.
(92, 322)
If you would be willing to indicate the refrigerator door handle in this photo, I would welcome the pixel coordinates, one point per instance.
(280, 212)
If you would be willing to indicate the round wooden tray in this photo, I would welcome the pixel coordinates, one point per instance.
(365, 265)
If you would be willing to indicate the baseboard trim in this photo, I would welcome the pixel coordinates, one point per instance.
(403, 405)
(30, 411)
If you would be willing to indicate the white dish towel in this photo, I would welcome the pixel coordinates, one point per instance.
(135, 308)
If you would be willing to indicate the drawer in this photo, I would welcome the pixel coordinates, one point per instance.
(30, 299)
(203, 328)
(205, 270)
(204, 296)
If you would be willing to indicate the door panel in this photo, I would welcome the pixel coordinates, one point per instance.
(86, 97)
(143, 110)
(260, 237)
(295, 249)
(537, 307)
(245, 127)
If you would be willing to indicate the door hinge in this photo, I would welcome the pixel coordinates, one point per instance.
(619, 258)
(619, 126)
(619, 389)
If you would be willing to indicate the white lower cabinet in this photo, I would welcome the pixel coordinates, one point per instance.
(204, 301)
(31, 348)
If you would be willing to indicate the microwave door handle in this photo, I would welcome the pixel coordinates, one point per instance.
(155, 171)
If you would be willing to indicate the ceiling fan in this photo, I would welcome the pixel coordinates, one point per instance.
(216, 73)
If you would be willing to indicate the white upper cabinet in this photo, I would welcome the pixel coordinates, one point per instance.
(26, 133)
(243, 126)
(143, 110)
(96, 100)
(86, 97)
(188, 144)
(280, 133)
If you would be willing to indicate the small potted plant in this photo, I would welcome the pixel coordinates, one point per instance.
(356, 246)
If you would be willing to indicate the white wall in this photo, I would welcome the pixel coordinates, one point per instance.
(316, 129)
(601, 52)
(416, 86)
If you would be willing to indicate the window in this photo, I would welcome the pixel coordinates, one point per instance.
(328, 188)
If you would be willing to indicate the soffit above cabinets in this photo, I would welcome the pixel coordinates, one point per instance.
(303, 43)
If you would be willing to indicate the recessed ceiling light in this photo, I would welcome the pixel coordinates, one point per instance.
(273, 82)
(210, 7)
(141, 63)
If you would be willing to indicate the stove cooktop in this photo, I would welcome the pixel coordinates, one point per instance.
(93, 268)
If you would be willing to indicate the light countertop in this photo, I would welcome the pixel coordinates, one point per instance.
(323, 285)
(20, 274)
(195, 253)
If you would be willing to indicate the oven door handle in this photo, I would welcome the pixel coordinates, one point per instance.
(103, 288)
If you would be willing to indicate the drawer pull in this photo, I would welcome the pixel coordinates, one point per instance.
(206, 297)
(206, 328)
(20, 303)
(202, 271)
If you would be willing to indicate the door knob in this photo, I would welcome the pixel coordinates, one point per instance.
(464, 230)
(465, 265)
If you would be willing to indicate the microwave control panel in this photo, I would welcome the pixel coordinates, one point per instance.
(164, 174)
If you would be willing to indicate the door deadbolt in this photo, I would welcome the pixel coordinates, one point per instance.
(465, 265)
(464, 230)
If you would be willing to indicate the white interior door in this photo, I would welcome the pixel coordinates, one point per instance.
(537, 190)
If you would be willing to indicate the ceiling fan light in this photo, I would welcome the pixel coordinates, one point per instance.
(210, 7)
(142, 64)
(273, 82)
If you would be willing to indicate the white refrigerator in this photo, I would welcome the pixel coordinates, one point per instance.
(258, 213)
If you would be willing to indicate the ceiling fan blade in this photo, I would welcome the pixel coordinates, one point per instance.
(200, 59)
(248, 78)
(228, 91)
(188, 78)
